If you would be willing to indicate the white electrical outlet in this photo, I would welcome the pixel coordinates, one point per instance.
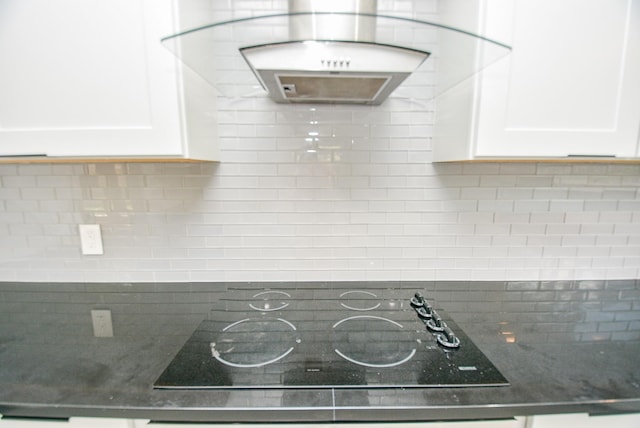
(102, 325)
(91, 239)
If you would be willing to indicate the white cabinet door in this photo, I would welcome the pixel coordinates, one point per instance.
(71, 423)
(582, 420)
(88, 78)
(32, 423)
(569, 87)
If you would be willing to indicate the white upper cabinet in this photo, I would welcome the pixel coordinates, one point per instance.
(570, 87)
(90, 79)
(582, 420)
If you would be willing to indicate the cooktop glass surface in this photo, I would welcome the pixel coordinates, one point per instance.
(327, 338)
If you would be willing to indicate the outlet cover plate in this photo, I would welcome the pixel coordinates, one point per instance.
(91, 239)
(102, 324)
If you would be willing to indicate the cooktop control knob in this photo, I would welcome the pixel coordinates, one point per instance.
(436, 323)
(417, 301)
(424, 312)
(448, 339)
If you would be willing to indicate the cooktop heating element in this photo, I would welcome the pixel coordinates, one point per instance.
(327, 338)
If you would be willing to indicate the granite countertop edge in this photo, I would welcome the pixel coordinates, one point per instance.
(321, 414)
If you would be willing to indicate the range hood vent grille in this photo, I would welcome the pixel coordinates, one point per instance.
(353, 88)
(331, 71)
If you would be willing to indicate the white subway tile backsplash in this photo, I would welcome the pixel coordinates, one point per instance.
(582, 217)
(609, 205)
(531, 206)
(37, 193)
(494, 205)
(512, 218)
(525, 251)
(540, 240)
(562, 229)
(475, 193)
(44, 218)
(18, 181)
(492, 229)
(550, 193)
(625, 229)
(17, 206)
(110, 193)
(390, 156)
(548, 217)
(29, 170)
(614, 217)
(53, 181)
(534, 181)
(369, 204)
(23, 229)
(509, 241)
(564, 252)
(578, 240)
(513, 193)
(498, 180)
(409, 236)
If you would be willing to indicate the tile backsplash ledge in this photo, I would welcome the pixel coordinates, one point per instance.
(381, 213)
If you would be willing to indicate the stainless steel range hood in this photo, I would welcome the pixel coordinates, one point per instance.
(327, 51)
(331, 71)
(333, 56)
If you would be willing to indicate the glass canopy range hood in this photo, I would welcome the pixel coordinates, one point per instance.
(307, 55)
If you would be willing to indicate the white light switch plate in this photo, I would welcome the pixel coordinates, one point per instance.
(91, 239)
(102, 325)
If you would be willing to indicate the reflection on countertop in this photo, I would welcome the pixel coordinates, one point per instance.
(565, 346)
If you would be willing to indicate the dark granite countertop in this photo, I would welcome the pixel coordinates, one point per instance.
(565, 346)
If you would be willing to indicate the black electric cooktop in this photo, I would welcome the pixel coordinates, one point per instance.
(327, 338)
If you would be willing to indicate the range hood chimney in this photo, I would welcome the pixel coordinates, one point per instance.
(332, 56)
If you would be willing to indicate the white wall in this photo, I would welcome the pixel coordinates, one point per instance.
(369, 204)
